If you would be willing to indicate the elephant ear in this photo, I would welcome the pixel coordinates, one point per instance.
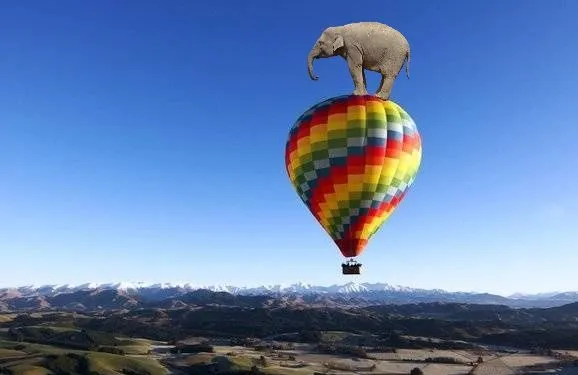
(337, 43)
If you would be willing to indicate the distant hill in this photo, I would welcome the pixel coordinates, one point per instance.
(206, 313)
(132, 295)
(110, 300)
(304, 315)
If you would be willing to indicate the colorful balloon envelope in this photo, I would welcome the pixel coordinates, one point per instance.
(352, 159)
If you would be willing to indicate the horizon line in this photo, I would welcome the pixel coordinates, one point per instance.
(191, 285)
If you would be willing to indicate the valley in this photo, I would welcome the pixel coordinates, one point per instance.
(205, 332)
(46, 349)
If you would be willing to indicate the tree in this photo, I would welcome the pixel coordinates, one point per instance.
(416, 371)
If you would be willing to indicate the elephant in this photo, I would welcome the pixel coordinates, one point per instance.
(364, 45)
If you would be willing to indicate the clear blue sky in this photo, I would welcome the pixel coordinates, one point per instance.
(144, 141)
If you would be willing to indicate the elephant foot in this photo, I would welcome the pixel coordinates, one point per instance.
(359, 92)
(382, 95)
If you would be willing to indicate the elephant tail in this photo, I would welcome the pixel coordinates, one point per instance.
(407, 58)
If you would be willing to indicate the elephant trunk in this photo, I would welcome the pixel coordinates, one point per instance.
(312, 55)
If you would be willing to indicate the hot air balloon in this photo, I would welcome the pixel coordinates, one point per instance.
(351, 160)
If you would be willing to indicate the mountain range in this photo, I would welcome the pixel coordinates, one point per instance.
(133, 295)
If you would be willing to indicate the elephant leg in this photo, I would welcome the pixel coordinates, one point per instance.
(354, 62)
(364, 80)
(385, 86)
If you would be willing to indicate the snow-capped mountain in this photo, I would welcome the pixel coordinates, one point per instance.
(300, 288)
(377, 293)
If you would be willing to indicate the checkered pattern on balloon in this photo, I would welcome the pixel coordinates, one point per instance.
(351, 160)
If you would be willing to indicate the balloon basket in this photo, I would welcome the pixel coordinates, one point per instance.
(351, 267)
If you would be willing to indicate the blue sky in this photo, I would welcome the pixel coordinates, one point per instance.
(144, 141)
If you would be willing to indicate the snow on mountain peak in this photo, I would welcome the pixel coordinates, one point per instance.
(87, 286)
(371, 291)
(127, 285)
(353, 288)
(298, 287)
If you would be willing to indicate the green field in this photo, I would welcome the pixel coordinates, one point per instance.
(6, 317)
(92, 363)
(55, 350)
(10, 353)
